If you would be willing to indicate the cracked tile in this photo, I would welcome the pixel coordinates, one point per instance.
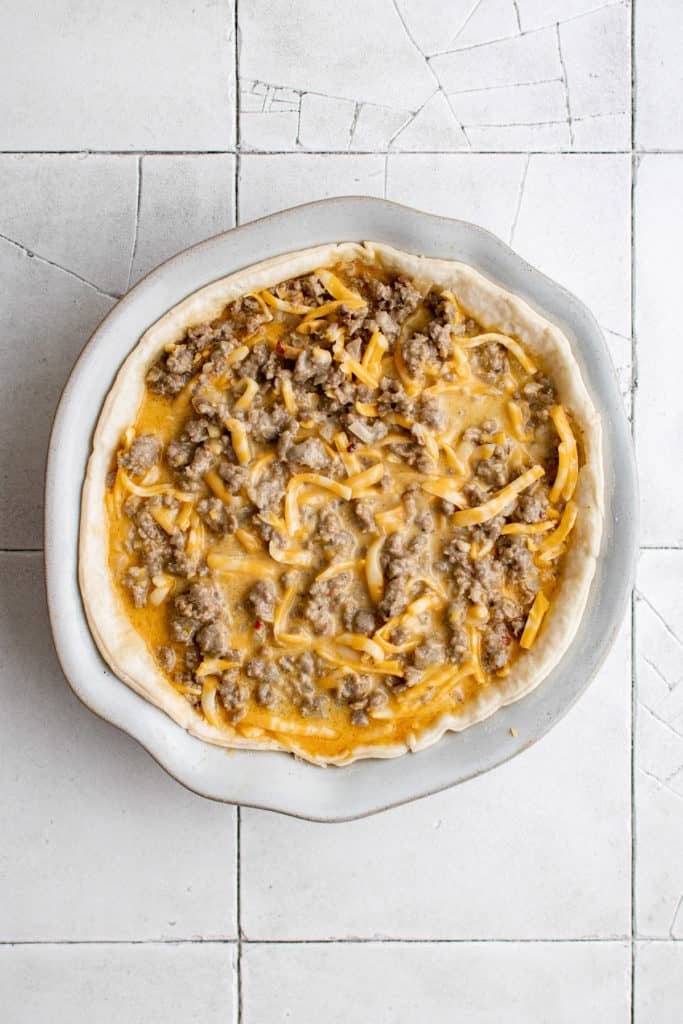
(504, 63)
(376, 127)
(326, 122)
(596, 54)
(658, 983)
(533, 137)
(110, 983)
(361, 66)
(586, 199)
(490, 20)
(659, 412)
(100, 844)
(582, 768)
(39, 342)
(602, 131)
(435, 24)
(399, 984)
(659, 75)
(659, 745)
(270, 183)
(47, 203)
(156, 75)
(183, 200)
(539, 13)
(525, 104)
(434, 127)
(482, 189)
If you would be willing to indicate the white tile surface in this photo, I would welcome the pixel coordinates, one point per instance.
(538, 849)
(183, 199)
(269, 183)
(177, 984)
(658, 983)
(659, 74)
(47, 204)
(46, 316)
(659, 412)
(388, 983)
(98, 842)
(156, 75)
(659, 749)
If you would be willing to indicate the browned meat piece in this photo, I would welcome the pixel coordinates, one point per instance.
(268, 424)
(365, 514)
(384, 322)
(313, 364)
(201, 601)
(179, 453)
(213, 640)
(495, 648)
(265, 694)
(142, 454)
(183, 629)
(138, 583)
(431, 652)
(269, 491)
(364, 622)
(494, 471)
(392, 397)
(262, 670)
(202, 461)
(217, 516)
(234, 694)
(428, 410)
(334, 539)
(310, 453)
(400, 297)
(490, 361)
(417, 352)
(166, 657)
(532, 507)
(263, 599)
(368, 430)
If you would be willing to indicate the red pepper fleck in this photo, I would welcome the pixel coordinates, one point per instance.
(506, 641)
(280, 348)
(352, 446)
(258, 624)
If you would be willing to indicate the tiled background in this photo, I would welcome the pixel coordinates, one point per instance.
(550, 890)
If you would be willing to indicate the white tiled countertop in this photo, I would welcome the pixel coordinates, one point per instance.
(550, 890)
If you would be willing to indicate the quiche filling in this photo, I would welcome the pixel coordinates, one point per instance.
(342, 511)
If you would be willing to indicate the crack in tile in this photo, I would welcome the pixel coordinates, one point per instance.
(506, 88)
(660, 783)
(667, 725)
(466, 22)
(670, 686)
(517, 17)
(51, 263)
(356, 114)
(565, 81)
(409, 120)
(138, 201)
(520, 196)
(661, 618)
(433, 73)
(674, 921)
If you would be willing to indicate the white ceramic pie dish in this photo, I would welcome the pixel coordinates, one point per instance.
(274, 780)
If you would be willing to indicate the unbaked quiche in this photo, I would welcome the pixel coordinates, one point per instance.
(341, 502)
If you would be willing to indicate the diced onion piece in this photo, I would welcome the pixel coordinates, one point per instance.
(373, 570)
(509, 343)
(362, 643)
(534, 620)
(248, 395)
(495, 505)
(209, 707)
(289, 556)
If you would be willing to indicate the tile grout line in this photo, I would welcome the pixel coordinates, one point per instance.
(233, 150)
(238, 810)
(634, 386)
(354, 941)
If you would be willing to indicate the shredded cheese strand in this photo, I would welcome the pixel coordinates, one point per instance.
(493, 507)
